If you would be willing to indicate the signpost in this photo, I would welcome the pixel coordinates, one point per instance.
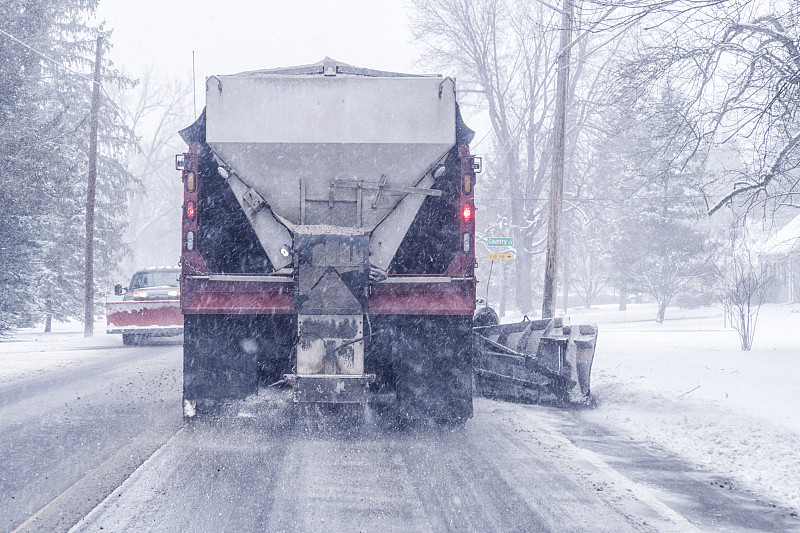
(498, 242)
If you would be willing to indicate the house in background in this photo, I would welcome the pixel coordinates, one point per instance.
(780, 263)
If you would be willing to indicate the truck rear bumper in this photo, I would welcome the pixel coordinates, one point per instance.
(429, 295)
(270, 294)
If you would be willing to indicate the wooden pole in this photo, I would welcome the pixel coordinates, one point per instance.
(565, 262)
(557, 180)
(504, 290)
(88, 317)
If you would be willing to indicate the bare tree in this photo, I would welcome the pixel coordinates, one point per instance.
(503, 55)
(743, 288)
(739, 62)
(158, 109)
(589, 267)
(657, 245)
(504, 52)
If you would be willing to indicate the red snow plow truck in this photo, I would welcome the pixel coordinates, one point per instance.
(329, 244)
(150, 306)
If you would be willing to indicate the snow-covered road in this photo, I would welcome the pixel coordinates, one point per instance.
(264, 471)
(78, 416)
(64, 419)
(512, 468)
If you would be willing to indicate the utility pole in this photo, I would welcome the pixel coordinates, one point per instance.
(557, 180)
(565, 267)
(88, 317)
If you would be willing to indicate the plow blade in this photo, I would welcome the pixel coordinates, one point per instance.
(535, 361)
(151, 317)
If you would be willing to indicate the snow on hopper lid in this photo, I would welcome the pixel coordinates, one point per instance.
(329, 122)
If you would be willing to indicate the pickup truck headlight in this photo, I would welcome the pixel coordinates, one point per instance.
(139, 294)
(174, 293)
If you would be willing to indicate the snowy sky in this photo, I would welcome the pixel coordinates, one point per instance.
(237, 35)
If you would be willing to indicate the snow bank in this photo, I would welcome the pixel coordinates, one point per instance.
(686, 386)
(29, 352)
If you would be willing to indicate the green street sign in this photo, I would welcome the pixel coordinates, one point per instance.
(500, 241)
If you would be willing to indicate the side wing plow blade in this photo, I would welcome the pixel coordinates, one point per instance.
(535, 361)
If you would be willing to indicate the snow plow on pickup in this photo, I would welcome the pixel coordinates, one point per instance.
(535, 361)
(150, 306)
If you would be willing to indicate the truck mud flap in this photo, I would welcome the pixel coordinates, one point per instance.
(225, 357)
(535, 361)
(432, 359)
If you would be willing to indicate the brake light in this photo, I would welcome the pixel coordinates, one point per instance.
(466, 212)
(190, 210)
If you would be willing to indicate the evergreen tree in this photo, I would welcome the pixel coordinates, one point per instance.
(659, 245)
(44, 137)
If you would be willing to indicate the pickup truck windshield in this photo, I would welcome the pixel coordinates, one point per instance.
(155, 278)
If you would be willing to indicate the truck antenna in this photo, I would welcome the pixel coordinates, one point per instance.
(194, 89)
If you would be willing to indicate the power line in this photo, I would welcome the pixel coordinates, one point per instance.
(604, 199)
(114, 106)
(482, 139)
(35, 51)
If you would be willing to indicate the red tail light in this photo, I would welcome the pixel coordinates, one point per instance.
(466, 212)
(190, 210)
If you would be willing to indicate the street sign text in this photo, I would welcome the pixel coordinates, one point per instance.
(500, 257)
(500, 241)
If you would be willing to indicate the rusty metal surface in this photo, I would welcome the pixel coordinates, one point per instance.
(322, 388)
(325, 344)
(332, 273)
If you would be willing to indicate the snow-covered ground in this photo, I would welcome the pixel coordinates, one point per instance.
(29, 352)
(683, 385)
